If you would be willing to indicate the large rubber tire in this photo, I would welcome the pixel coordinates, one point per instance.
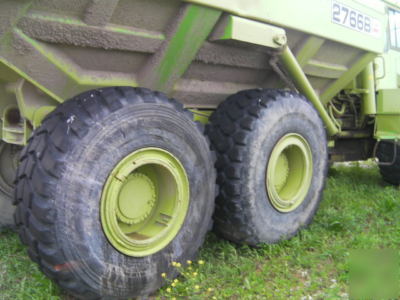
(8, 165)
(244, 130)
(386, 153)
(61, 177)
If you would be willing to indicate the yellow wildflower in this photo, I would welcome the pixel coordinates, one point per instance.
(197, 287)
(163, 275)
(201, 262)
(194, 274)
(176, 280)
(168, 290)
(189, 262)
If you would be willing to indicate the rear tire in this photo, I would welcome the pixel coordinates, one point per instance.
(8, 165)
(271, 163)
(385, 154)
(61, 185)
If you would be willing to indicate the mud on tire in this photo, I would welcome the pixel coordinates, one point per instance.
(8, 165)
(244, 130)
(59, 186)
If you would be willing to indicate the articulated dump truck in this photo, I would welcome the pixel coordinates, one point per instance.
(127, 126)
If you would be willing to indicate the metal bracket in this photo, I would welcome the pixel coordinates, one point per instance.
(383, 67)
(274, 63)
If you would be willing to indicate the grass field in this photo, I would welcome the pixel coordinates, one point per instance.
(359, 211)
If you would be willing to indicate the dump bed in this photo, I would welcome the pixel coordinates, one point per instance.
(195, 50)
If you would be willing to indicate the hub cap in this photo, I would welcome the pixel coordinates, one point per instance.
(289, 172)
(144, 202)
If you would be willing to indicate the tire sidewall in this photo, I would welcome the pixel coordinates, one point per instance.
(288, 116)
(8, 155)
(79, 229)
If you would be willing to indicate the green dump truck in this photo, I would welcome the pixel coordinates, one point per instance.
(124, 121)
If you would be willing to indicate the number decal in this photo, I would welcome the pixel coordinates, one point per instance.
(354, 19)
(346, 14)
(336, 12)
(367, 26)
(360, 22)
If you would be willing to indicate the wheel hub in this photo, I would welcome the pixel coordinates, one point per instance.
(136, 199)
(281, 177)
(289, 173)
(144, 202)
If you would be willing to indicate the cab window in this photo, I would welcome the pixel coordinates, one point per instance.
(394, 24)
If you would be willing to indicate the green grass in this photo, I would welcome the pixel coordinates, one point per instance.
(359, 211)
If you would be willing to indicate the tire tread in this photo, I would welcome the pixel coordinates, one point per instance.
(230, 128)
(41, 164)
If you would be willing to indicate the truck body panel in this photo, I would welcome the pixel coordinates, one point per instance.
(312, 17)
(198, 51)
